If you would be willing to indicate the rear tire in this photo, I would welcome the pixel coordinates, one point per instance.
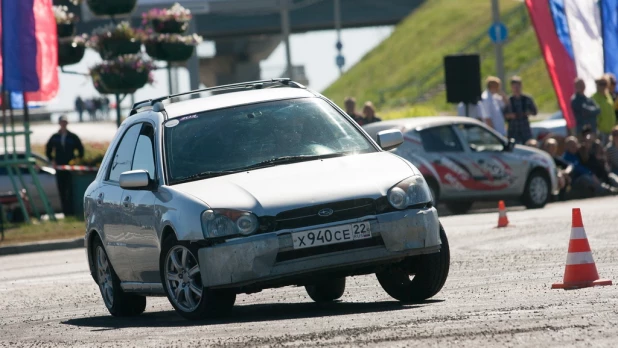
(537, 190)
(118, 303)
(182, 282)
(326, 290)
(430, 273)
(460, 207)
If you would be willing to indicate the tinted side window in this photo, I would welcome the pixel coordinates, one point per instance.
(440, 139)
(123, 157)
(144, 151)
(480, 139)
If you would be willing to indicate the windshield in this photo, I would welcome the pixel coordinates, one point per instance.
(258, 135)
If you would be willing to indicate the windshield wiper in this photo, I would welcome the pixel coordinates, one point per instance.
(207, 174)
(291, 159)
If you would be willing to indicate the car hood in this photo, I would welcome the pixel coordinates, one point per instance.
(271, 190)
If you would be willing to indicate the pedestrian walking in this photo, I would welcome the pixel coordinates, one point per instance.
(369, 114)
(607, 117)
(496, 104)
(350, 109)
(105, 107)
(584, 109)
(522, 107)
(60, 150)
(79, 107)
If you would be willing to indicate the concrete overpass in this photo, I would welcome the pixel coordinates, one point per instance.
(247, 31)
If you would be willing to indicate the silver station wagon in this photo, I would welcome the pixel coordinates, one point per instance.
(263, 184)
(464, 161)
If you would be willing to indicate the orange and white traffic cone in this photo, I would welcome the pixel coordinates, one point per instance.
(580, 270)
(503, 221)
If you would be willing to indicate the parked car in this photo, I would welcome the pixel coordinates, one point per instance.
(464, 161)
(46, 176)
(266, 185)
(554, 124)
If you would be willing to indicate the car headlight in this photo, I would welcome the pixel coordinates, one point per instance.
(228, 222)
(412, 191)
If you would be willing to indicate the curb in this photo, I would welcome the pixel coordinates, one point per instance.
(61, 244)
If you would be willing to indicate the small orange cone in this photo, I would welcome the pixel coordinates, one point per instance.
(580, 270)
(503, 221)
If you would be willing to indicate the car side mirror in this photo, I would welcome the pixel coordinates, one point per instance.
(510, 145)
(390, 139)
(135, 180)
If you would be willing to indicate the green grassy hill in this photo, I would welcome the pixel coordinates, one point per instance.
(404, 76)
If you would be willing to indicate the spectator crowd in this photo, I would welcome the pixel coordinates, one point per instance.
(589, 165)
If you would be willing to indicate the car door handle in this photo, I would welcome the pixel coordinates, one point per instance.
(126, 201)
(481, 161)
(100, 199)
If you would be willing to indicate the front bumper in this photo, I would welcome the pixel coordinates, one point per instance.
(250, 260)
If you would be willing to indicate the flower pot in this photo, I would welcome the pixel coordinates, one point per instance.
(125, 82)
(111, 7)
(70, 53)
(65, 29)
(110, 48)
(169, 26)
(169, 51)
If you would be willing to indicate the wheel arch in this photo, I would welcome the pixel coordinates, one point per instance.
(93, 234)
(166, 232)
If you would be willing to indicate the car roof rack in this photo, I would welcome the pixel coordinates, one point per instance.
(259, 84)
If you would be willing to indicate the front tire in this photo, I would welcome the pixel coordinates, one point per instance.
(182, 282)
(537, 190)
(118, 303)
(430, 272)
(326, 290)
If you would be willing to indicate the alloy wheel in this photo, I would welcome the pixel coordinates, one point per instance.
(538, 190)
(183, 279)
(105, 277)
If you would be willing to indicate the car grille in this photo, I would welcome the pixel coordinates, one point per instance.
(308, 216)
(325, 249)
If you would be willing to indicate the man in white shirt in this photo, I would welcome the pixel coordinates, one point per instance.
(495, 102)
(475, 110)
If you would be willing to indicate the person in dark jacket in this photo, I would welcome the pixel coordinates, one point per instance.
(350, 109)
(522, 107)
(369, 113)
(60, 150)
(585, 109)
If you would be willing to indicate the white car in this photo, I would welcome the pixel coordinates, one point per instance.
(465, 161)
(267, 185)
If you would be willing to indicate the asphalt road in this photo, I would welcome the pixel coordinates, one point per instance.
(497, 295)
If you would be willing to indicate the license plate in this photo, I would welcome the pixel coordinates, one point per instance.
(331, 235)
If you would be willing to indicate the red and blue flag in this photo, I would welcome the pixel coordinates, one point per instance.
(29, 45)
(578, 38)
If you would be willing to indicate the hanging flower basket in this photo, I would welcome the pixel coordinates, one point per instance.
(111, 48)
(174, 20)
(113, 41)
(64, 21)
(170, 26)
(171, 47)
(123, 75)
(65, 29)
(71, 50)
(111, 7)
